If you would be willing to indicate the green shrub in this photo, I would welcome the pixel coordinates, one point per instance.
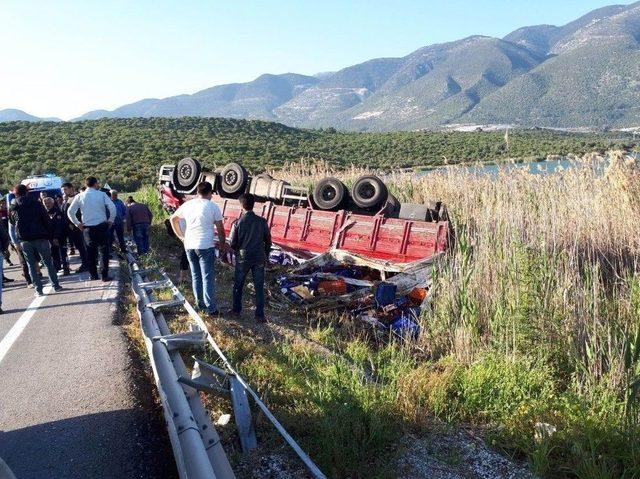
(494, 387)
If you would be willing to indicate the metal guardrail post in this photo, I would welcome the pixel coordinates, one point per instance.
(313, 469)
(192, 435)
(215, 452)
(194, 458)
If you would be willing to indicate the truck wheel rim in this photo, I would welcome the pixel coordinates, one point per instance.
(231, 177)
(185, 172)
(328, 193)
(366, 191)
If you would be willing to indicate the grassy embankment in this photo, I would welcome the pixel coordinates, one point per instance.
(536, 320)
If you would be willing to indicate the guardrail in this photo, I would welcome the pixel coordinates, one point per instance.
(195, 442)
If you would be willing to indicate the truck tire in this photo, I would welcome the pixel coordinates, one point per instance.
(329, 194)
(186, 174)
(233, 179)
(369, 192)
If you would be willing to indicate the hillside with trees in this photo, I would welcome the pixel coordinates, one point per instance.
(128, 152)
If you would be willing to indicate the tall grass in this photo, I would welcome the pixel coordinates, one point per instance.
(149, 196)
(536, 315)
(534, 333)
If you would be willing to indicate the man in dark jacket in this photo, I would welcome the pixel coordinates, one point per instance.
(74, 235)
(250, 239)
(33, 230)
(4, 219)
(139, 218)
(4, 245)
(58, 236)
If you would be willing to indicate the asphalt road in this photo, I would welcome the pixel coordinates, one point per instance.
(69, 404)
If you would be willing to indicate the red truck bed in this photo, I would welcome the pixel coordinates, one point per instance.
(315, 231)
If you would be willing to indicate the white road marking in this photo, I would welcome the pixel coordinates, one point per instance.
(22, 323)
(16, 330)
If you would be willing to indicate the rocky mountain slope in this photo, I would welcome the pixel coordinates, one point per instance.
(591, 78)
(582, 74)
(252, 100)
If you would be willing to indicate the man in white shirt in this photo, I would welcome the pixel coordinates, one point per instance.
(98, 214)
(201, 216)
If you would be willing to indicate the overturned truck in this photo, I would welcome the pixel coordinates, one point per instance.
(365, 220)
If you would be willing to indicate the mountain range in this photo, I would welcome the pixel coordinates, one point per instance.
(583, 74)
(11, 114)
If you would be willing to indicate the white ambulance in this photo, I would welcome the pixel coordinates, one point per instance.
(49, 184)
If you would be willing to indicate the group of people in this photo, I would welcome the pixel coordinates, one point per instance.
(196, 222)
(43, 230)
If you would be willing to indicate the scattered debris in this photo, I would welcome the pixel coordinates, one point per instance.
(387, 296)
(223, 420)
(281, 257)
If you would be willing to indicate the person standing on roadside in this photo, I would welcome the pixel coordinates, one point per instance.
(139, 218)
(4, 245)
(117, 230)
(98, 214)
(13, 236)
(6, 253)
(33, 229)
(4, 219)
(74, 235)
(58, 236)
(4, 212)
(201, 216)
(250, 239)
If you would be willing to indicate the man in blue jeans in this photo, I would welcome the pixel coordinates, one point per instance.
(117, 229)
(201, 218)
(33, 230)
(250, 239)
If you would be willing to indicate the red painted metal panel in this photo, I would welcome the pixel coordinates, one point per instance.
(288, 226)
(317, 231)
(321, 228)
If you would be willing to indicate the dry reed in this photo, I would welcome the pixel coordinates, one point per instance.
(543, 264)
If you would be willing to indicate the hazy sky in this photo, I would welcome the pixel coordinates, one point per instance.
(64, 58)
